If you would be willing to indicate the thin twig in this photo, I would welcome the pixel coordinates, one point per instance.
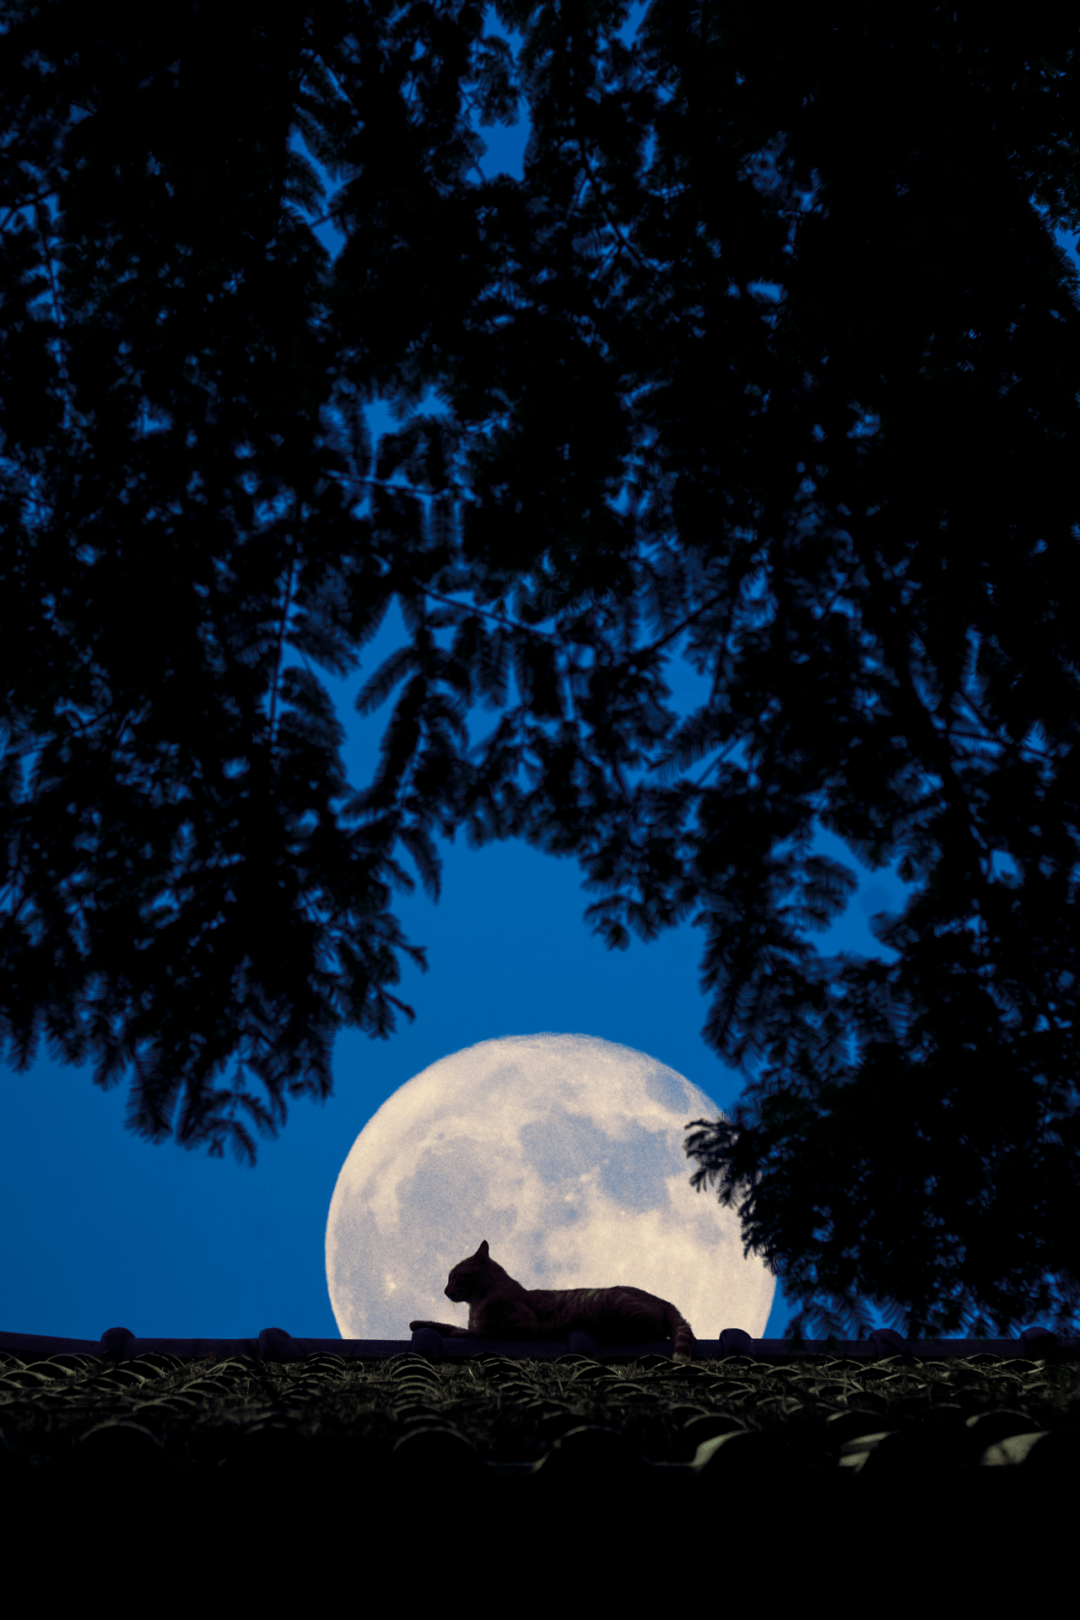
(281, 642)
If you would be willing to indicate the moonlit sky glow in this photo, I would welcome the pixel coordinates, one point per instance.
(565, 1153)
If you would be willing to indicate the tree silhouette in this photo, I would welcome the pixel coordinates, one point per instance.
(790, 282)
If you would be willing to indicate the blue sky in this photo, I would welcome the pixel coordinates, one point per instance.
(101, 1229)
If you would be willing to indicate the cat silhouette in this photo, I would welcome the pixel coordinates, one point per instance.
(500, 1308)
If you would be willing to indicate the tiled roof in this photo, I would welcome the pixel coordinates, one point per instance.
(529, 1417)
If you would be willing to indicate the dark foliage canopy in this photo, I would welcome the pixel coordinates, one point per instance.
(789, 280)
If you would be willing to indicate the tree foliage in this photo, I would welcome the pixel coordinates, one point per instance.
(786, 281)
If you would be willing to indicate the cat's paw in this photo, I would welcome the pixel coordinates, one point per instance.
(436, 1325)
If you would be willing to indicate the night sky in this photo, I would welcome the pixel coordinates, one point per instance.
(101, 1229)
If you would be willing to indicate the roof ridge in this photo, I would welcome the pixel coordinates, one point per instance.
(277, 1344)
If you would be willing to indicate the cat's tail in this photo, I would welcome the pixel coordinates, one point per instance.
(683, 1334)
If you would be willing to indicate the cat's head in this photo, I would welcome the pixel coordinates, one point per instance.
(466, 1274)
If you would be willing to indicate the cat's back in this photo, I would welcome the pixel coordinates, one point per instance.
(566, 1301)
(583, 1307)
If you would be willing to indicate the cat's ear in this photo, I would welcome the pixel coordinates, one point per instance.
(482, 1251)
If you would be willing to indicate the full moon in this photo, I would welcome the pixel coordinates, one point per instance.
(566, 1153)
